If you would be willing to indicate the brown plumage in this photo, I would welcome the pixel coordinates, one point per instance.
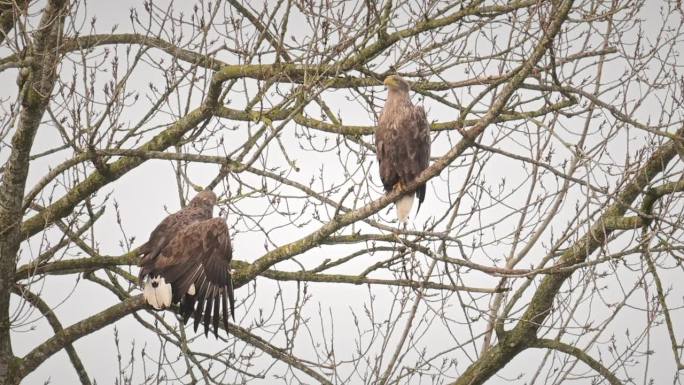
(403, 143)
(187, 261)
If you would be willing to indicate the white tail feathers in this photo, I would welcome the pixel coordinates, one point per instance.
(157, 292)
(404, 205)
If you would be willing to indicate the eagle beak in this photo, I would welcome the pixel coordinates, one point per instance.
(389, 81)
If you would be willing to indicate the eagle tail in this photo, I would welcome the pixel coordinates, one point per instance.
(157, 292)
(420, 203)
(187, 307)
(420, 193)
(404, 205)
(231, 296)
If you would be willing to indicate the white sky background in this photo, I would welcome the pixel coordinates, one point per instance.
(143, 193)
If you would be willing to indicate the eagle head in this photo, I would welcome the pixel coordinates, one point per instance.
(204, 198)
(396, 82)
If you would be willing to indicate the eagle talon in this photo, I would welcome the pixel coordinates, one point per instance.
(398, 187)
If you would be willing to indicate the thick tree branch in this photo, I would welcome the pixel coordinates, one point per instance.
(82, 265)
(360, 280)
(10, 11)
(39, 80)
(75, 266)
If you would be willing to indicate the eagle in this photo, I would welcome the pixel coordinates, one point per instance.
(186, 261)
(402, 140)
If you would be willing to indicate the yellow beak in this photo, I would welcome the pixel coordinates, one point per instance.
(390, 81)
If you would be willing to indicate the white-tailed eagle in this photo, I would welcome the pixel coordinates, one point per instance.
(187, 261)
(402, 140)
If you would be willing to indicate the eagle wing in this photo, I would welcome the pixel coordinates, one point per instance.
(164, 233)
(385, 148)
(417, 146)
(197, 265)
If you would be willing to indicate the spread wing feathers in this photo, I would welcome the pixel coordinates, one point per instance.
(164, 233)
(197, 264)
(403, 146)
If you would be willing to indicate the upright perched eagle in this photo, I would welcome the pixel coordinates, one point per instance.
(403, 144)
(187, 261)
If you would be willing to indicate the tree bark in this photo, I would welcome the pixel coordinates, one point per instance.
(38, 74)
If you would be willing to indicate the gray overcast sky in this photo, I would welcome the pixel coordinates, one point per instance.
(143, 194)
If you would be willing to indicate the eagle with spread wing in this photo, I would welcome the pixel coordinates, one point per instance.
(402, 140)
(187, 261)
